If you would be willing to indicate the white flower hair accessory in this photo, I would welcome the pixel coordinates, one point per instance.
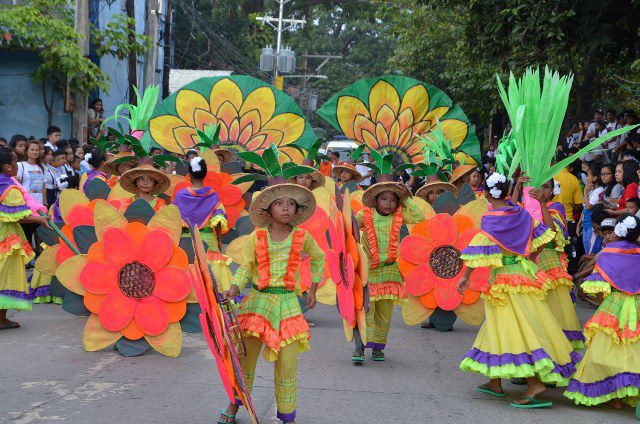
(491, 182)
(556, 188)
(622, 228)
(195, 164)
(87, 157)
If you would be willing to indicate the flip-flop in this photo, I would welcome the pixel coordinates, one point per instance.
(223, 413)
(12, 324)
(358, 358)
(378, 356)
(531, 403)
(485, 389)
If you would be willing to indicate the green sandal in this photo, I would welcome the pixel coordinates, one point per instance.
(377, 355)
(485, 389)
(231, 419)
(531, 403)
(358, 357)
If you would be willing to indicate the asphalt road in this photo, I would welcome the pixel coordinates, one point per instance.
(46, 376)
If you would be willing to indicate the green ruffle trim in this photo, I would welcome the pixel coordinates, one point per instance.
(398, 300)
(477, 261)
(541, 368)
(543, 239)
(48, 299)
(577, 344)
(596, 286)
(628, 395)
(7, 302)
(14, 217)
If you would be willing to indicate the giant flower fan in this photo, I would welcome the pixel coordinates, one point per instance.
(392, 112)
(131, 293)
(252, 115)
(429, 259)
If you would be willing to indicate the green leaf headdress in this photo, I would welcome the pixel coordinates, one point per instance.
(438, 155)
(382, 162)
(269, 163)
(140, 113)
(541, 112)
(126, 141)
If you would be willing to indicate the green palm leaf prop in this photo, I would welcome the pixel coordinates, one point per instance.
(140, 113)
(507, 156)
(270, 164)
(382, 162)
(541, 111)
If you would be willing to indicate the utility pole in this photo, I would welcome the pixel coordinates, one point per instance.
(151, 31)
(279, 29)
(166, 65)
(80, 102)
(132, 58)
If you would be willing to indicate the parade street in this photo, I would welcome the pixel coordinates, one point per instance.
(48, 377)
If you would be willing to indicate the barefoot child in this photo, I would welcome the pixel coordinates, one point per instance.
(552, 261)
(609, 370)
(519, 337)
(270, 315)
(387, 205)
(16, 250)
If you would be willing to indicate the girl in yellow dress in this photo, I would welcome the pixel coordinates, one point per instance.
(15, 250)
(520, 337)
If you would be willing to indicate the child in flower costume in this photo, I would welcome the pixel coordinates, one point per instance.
(552, 261)
(348, 177)
(387, 205)
(201, 206)
(270, 314)
(15, 251)
(145, 182)
(609, 371)
(520, 336)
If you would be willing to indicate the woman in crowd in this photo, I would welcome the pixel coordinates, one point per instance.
(627, 175)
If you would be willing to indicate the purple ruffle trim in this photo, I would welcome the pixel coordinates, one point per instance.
(539, 230)
(376, 346)
(594, 277)
(519, 359)
(43, 291)
(13, 209)
(286, 418)
(482, 250)
(16, 294)
(574, 335)
(606, 386)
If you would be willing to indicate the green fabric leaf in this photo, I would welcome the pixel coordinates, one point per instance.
(124, 159)
(313, 150)
(403, 167)
(161, 160)
(377, 158)
(357, 153)
(254, 159)
(387, 163)
(97, 189)
(294, 171)
(270, 157)
(248, 177)
(372, 166)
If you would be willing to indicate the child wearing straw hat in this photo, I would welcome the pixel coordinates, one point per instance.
(145, 182)
(270, 315)
(387, 205)
(348, 177)
(433, 189)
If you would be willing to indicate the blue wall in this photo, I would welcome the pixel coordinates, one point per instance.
(22, 110)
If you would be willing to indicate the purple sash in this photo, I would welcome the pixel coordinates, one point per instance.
(198, 205)
(511, 228)
(7, 183)
(618, 264)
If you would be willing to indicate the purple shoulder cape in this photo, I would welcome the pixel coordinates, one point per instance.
(559, 217)
(90, 177)
(614, 263)
(198, 205)
(511, 228)
(5, 184)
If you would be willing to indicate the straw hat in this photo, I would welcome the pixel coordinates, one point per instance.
(128, 179)
(460, 171)
(435, 185)
(317, 179)
(227, 155)
(385, 183)
(357, 177)
(112, 167)
(259, 209)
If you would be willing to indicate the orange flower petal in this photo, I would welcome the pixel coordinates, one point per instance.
(176, 310)
(381, 135)
(158, 242)
(385, 117)
(203, 118)
(186, 137)
(132, 331)
(245, 134)
(96, 252)
(116, 311)
(470, 296)
(363, 123)
(80, 215)
(227, 114)
(405, 267)
(234, 130)
(347, 110)
(442, 230)
(93, 302)
(465, 237)
(420, 280)
(161, 129)
(138, 231)
(187, 101)
(99, 277)
(172, 284)
(455, 130)
(179, 258)
(151, 316)
(64, 253)
(422, 228)
(229, 194)
(463, 222)
(447, 295)
(479, 278)
(257, 142)
(415, 249)
(119, 247)
(429, 300)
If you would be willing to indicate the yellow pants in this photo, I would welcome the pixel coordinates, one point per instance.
(378, 323)
(285, 375)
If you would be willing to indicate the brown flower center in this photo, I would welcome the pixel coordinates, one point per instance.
(445, 261)
(136, 280)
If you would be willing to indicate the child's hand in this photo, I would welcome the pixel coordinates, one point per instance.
(463, 285)
(232, 292)
(536, 193)
(404, 191)
(523, 179)
(42, 220)
(311, 298)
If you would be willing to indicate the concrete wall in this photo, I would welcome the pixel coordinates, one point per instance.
(22, 110)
